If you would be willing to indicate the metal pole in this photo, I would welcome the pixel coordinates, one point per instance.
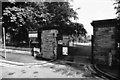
(4, 41)
(92, 55)
(29, 43)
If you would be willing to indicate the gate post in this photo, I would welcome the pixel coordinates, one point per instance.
(48, 42)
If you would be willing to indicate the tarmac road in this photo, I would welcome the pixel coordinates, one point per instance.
(23, 65)
(26, 66)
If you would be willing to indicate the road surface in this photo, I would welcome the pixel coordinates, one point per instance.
(26, 66)
(46, 70)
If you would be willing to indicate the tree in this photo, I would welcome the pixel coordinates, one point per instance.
(78, 29)
(32, 15)
(13, 19)
(22, 15)
(117, 7)
(60, 13)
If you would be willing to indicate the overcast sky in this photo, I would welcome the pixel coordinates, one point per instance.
(93, 10)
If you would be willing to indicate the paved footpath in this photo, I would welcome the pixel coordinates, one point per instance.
(15, 51)
(43, 70)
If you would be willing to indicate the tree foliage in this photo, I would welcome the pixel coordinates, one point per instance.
(78, 29)
(117, 7)
(29, 14)
(60, 13)
(32, 15)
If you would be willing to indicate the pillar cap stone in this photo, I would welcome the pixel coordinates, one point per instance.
(105, 23)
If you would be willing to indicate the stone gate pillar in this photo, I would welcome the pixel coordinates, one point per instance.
(104, 41)
(48, 43)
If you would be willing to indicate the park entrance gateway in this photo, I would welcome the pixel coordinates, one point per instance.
(49, 38)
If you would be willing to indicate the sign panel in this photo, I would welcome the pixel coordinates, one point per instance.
(33, 35)
(65, 51)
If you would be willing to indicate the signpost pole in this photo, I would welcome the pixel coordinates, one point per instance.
(4, 41)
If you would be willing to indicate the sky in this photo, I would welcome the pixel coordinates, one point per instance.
(91, 10)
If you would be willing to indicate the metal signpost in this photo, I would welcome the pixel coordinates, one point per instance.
(4, 41)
